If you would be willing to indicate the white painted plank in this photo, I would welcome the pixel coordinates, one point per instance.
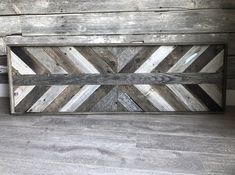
(21, 92)
(85, 92)
(155, 98)
(187, 59)
(79, 61)
(214, 92)
(187, 98)
(155, 59)
(151, 63)
(45, 60)
(215, 64)
(20, 66)
(46, 99)
(54, 91)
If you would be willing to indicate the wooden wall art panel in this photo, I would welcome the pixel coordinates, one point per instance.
(88, 79)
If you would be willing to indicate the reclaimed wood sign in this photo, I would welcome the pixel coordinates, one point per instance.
(143, 78)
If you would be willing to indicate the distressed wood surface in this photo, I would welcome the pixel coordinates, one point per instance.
(117, 144)
(2, 47)
(10, 25)
(54, 6)
(117, 78)
(123, 39)
(131, 23)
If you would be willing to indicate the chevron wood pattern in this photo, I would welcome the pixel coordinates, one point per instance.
(175, 78)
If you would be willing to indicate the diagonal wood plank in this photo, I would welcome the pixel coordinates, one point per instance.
(22, 91)
(188, 59)
(98, 95)
(187, 98)
(128, 103)
(81, 62)
(79, 98)
(155, 98)
(213, 66)
(100, 57)
(155, 59)
(54, 91)
(48, 97)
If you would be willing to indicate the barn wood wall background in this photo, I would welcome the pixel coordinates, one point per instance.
(52, 20)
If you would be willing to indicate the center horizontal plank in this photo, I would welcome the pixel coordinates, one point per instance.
(118, 79)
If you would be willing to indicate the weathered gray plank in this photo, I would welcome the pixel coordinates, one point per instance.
(3, 69)
(149, 127)
(187, 143)
(156, 39)
(125, 39)
(195, 21)
(9, 7)
(8, 165)
(118, 153)
(218, 164)
(119, 79)
(2, 47)
(9, 25)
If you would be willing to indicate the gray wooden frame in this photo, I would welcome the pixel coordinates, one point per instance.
(86, 41)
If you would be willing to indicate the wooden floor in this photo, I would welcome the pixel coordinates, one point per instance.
(117, 145)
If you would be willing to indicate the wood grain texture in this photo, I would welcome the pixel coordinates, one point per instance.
(10, 25)
(48, 7)
(2, 47)
(125, 40)
(118, 79)
(117, 144)
(103, 87)
(136, 23)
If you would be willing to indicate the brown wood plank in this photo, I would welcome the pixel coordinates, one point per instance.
(118, 79)
(63, 98)
(30, 60)
(103, 60)
(137, 97)
(137, 23)
(31, 98)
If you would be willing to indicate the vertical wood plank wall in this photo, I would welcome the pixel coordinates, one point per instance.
(60, 18)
